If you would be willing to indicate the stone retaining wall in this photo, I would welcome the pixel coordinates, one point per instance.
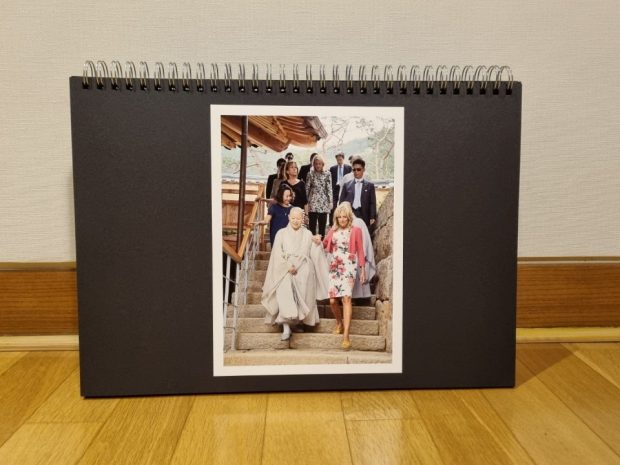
(382, 243)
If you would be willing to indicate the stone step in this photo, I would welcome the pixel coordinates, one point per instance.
(272, 341)
(333, 341)
(247, 341)
(255, 287)
(258, 311)
(258, 275)
(303, 357)
(359, 312)
(262, 255)
(257, 325)
(254, 296)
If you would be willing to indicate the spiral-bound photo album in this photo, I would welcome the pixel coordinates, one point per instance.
(274, 234)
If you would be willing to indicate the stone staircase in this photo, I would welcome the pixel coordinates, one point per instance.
(259, 343)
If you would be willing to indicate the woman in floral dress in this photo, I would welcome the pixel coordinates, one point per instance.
(319, 193)
(344, 243)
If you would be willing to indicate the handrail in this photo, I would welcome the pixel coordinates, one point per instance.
(244, 260)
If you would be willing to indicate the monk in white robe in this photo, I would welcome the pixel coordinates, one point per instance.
(296, 276)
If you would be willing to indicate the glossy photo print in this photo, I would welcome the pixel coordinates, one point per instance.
(307, 231)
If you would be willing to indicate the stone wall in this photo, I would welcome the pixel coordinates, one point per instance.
(382, 243)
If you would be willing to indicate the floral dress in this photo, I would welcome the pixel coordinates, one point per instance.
(319, 191)
(342, 266)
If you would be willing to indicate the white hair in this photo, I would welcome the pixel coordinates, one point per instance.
(295, 210)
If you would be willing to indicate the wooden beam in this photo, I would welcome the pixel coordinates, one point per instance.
(256, 134)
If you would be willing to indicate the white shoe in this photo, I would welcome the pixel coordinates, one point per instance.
(286, 332)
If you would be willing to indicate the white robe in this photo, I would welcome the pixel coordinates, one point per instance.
(359, 289)
(292, 298)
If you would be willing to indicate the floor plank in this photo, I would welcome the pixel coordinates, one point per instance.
(546, 428)
(378, 405)
(7, 359)
(391, 442)
(305, 428)
(460, 436)
(140, 431)
(48, 443)
(479, 406)
(594, 399)
(28, 383)
(228, 429)
(66, 405)
(604, 358)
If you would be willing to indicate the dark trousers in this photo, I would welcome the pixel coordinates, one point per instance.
(321, 219)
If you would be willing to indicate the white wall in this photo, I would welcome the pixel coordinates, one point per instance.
(565, 53)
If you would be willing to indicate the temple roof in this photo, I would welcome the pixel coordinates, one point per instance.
(273, 132)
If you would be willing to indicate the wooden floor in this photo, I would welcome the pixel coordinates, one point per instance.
(565, 410)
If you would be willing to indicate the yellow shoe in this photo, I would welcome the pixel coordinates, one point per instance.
(346, 345)
(338, 330)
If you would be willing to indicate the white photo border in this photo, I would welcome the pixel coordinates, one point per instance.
(398, 114)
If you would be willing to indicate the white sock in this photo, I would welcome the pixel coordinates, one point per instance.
(286, 329)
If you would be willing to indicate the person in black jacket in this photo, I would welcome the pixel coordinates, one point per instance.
(305, 169)
(272, 177)
(338, 171)
(361, 194)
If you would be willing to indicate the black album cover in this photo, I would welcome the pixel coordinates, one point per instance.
(231, 240)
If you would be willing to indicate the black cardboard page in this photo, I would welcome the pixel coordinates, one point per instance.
(143, 238)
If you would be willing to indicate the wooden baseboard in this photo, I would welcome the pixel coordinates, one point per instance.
(568, 293)
(38, 301)
(41, 299)
(524, 336)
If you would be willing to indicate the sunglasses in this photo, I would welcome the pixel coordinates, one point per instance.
(358, 169)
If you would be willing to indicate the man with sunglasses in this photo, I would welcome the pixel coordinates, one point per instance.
(361, 194)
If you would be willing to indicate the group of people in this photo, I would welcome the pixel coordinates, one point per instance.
(306, 263)
(318, 190)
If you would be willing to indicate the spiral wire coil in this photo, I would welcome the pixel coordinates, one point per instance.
(406, 79)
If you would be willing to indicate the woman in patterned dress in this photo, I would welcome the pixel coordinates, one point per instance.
(344, 243)
(319, 193)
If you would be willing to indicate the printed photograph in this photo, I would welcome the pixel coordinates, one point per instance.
(307, 229)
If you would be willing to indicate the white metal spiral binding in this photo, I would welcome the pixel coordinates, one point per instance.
(255, 78)
(481, 78)
(374, 77)
(130, 74)
(117, 73)
(173, 76)
(186, 76)
(159, 75)
(282, 79)
(362, 79)
(228, 77)
(88, 66)
(144, 74)
(455, 78)
(309, 81)
(200, 77)
(388, 78)
(102, 71)
(296, 79)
